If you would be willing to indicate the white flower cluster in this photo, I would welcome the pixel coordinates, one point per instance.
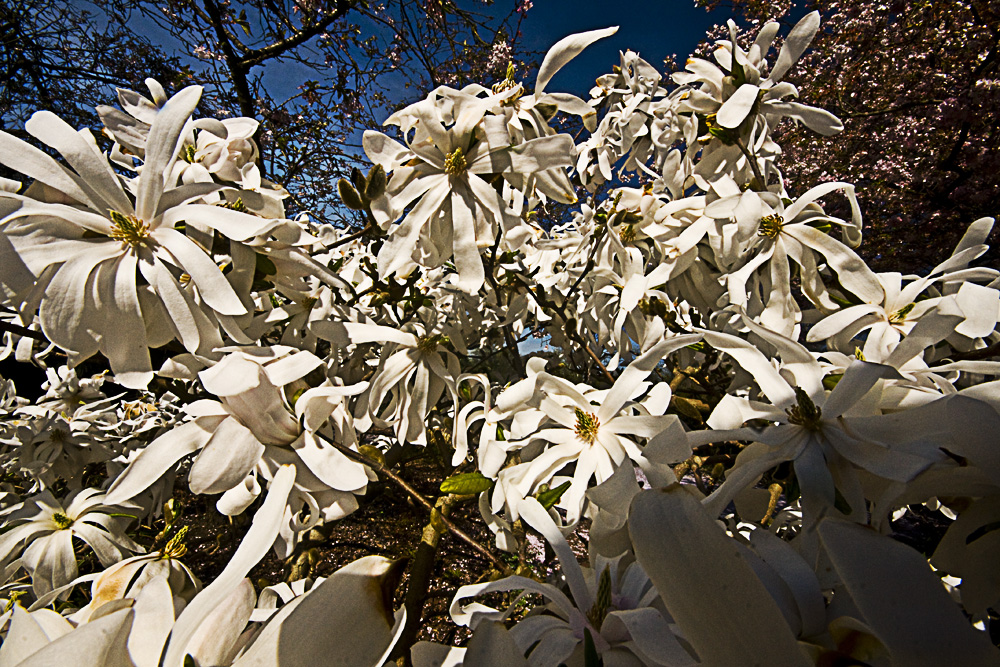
(735, 404)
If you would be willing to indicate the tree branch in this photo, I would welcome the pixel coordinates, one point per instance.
(417, 496)
(257, 56)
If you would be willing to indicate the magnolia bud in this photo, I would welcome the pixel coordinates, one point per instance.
(357, 178)
(375, 186)
(349, 195)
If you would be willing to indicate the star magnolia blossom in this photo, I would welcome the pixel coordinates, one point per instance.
(445, 166)
(48, 535)
(828, 437)
(89, 242)
(251, 432)
(611, 603)
(573, 430)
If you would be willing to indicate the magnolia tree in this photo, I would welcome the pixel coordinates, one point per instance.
(738, 410)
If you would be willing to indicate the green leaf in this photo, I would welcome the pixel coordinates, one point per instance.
(466, 484)
(550, 497)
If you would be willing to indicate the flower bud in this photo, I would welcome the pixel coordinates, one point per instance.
(375, 185)
(349, 195)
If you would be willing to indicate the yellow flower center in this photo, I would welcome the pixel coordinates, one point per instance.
(175, 548)
(770, 226)
(237, 205)
(61, 520)
(128, 229)
(628, 234)
(805, 413)
(454, 163)
(430, 343)
(586, 426)
(900, 315)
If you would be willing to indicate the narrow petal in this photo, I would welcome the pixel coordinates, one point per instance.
(251, 550)
(565, 50)
(902, 600)
(212, 285)
(160, 456)
(736, 108)
(96, 175)
(161, 149)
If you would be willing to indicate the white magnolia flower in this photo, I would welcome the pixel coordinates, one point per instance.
(767, 233)
(442, 173)
(89, 239)
(415, 369)
(593, 431)
(737, 89)
(47, 537)
(615, 605)
(252, 431)
(828, 436)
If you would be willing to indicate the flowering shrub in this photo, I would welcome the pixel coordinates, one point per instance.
(738, 409)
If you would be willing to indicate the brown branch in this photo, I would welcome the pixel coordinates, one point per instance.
(761, 183)
(428, 505)
(257, 56)
(975, 355)
(22, 331)
(352, 237)
(508, 337)
(237, 71)
(571, 331)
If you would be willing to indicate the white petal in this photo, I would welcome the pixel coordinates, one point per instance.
(565, 50)
(161, 149)
(902, 600)
(252, 549)
(227, 457)
(215, 290)
(795, 44)
(728, 617)
(159, 456)
(345, 620)
(737, 107)
(97, 177)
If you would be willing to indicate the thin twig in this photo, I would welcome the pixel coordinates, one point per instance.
(428, 505)
(975, 355)
(753, 165)
(573, 333)
(352, 237)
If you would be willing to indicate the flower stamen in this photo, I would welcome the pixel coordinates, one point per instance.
(175, 548)
(587, 425)
(128, 229)
(805, 413)
(454, 163)
(61, 520)
(627, 234)
(770, 226)
(899, 316)
(429, 344)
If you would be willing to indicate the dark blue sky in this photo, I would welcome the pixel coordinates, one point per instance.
(653, 28)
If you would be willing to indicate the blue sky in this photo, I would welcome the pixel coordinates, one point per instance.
(653, 28)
